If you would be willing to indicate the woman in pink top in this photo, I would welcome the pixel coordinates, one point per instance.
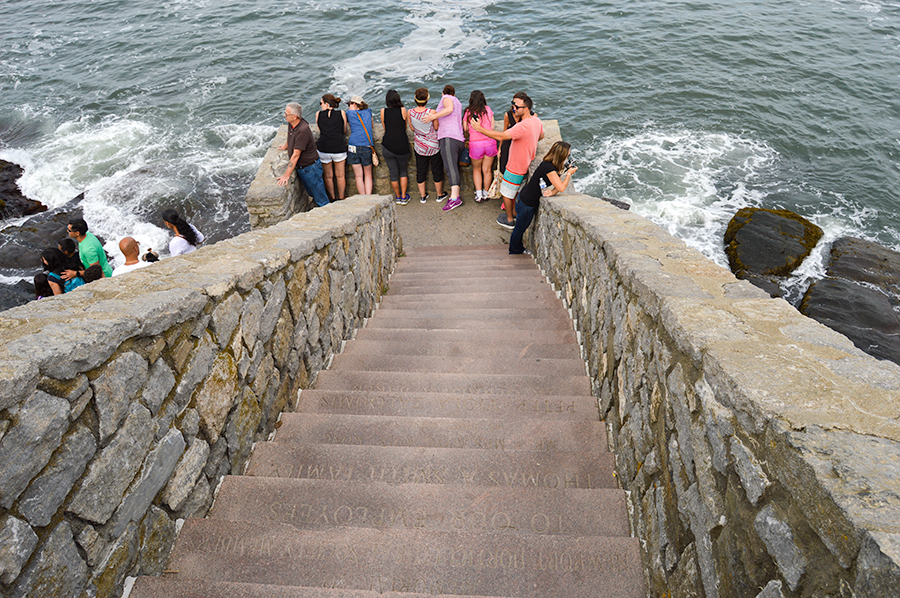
(452, 140)
(482, 149)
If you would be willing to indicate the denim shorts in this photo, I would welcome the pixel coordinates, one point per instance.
(359, 154)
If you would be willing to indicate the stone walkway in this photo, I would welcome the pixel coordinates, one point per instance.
(453, 448)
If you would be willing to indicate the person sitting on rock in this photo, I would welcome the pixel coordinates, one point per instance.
(131, 249)
(90, 250)
(54, 262)
(69, 249)
(187, 237)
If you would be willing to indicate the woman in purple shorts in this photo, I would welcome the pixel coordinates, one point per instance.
(482, 149)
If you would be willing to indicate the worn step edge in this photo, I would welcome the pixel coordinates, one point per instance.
(187, 587)
(456, 383)
(510, 406)
(501, 349)
(421, 465)
(387, 362)
(443, 432)
(447, 563)
(322, 505)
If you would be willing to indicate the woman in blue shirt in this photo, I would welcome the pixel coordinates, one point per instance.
(361, 146)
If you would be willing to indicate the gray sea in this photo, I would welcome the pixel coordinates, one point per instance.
(686, 110)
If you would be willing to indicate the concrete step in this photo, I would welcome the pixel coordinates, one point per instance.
(450, 323)
(482, 286)
(472, 299)
(458, 563)
(323, 505)
(501, 349)
(440, 275)
(453, 252)
(387, 362)
(462, 312)
(522, 384)
(187, 587)
(473, 264)
(443, 432)
(512, 407)
(415, 465)
(513, 338)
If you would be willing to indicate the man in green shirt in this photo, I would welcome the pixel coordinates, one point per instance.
(89, 249)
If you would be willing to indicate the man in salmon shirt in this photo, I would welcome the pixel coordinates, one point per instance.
(524, 137)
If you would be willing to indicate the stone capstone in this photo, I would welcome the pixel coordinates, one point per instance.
(115, 388)
(27, 446)
(17, 542)
(48, 491)
(110, 474)
(56, 570)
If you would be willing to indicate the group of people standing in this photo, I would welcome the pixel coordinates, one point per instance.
(440, 138)
(80, 258)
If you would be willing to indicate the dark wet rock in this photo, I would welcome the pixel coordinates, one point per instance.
(863, 314)
(864, 261)
(21, 246)
(13, 295)
(768, 242)
(860, 297)
(12, 203)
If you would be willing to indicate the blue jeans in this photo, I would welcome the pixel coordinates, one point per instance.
(524, 216)
(311, 179)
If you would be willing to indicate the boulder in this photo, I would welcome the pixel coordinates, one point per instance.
(768, 242)
(21, 246)
(864, 261)
(12, 203)
(860, 297)
(864, 315)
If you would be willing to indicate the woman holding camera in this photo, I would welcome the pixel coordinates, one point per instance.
(544, 182)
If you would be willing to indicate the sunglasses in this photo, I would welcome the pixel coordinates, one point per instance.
(516, 106)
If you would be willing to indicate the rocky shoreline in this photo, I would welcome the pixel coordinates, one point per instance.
(860, 294)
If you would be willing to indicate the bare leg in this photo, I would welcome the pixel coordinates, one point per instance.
(359, 175)
(404, 185)
(340, 172)
(422, 190)
(476, 173)
(439, 187)
(367, 174)
(328, 175)
(510, 206)
(396, 187)
(487, 172)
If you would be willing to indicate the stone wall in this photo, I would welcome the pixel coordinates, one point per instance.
(269, 204)
(123, 403)
(760, 449)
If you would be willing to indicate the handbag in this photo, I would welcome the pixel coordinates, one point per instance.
(494, 191)
(464, 158)
(372, 145)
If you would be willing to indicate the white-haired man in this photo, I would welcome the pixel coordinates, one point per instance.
(303, 157)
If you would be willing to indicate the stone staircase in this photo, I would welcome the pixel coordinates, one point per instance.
(453, 448)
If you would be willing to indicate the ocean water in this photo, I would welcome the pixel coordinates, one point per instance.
(686, 110)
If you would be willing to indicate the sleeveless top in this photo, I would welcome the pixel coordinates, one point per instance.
(451, 125)
(331, 132)
(425, 139)
(395, 139)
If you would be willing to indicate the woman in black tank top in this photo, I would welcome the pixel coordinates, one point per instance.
(332, 145)
(395, 145)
